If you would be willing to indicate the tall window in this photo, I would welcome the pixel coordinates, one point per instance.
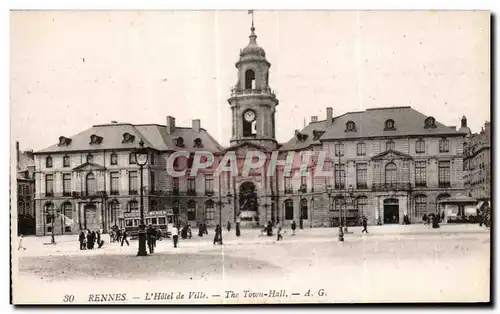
(391, 174)
(66, 162)
(361, 176)
(303, 209)
(303, 183)
(90, 184)
(362, 205)
(444, 173)
(191, 213)
(288, 210)
(68, 216)
(90, 158)
(444, 145)
(114, 208)
(152, 159)
(153, 182)
(420, 205)
(66, 184)
(49, 210)
(420, 146)
(131, 159)
(209, 210)
(339, 149)
(288, 185)
(250, 79)
(209, 183)
(420, 173)
(191, 185)
(361, 149)
(49, 185)
(48, 162)
(175, 186)
(132, 182)
(390, 145)
(114, 183)
(133, 206)
(114, 159)
(339, 176)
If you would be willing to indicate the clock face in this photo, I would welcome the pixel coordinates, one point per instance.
(249, 116)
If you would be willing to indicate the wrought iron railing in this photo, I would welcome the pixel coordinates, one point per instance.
(391, 187)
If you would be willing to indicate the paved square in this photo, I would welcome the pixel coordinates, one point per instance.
(391, 264)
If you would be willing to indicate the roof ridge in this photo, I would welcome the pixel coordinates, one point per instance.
(387, 108)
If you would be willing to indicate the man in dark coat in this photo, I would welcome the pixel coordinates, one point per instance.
(90, 241)
(81, 239)
(294, 226)
(149, 237)
(228, 226)
(200, 229)
(269, 229)
(301, 223)
(124, 237)
(365, 225)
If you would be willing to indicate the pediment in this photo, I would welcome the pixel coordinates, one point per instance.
(89, 166)
(244, 147)
(391, 155)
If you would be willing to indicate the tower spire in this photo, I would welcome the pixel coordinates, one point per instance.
(251, 12)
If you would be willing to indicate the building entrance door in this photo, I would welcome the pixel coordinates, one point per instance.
(391, 211)
(91, 221)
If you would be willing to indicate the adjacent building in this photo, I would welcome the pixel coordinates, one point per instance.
(382, 163)
(25, 191)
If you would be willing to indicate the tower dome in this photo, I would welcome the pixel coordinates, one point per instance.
(252, 52)
(464, 128)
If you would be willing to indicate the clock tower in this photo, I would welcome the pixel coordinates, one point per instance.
(253, 103)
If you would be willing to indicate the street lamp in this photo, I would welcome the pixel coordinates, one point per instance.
(329, 191)
(50, 210)
(141, 158)
(220, 203)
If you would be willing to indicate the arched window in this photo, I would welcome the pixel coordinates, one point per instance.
(191, 207)
(131, 159)
(250, 79)
(289, 209)
(67, 210)
(420, 206)
(441, 197)
(391, 174)
(91, 187)
(49, 213)
(303, 209)
(48, 162)
(66, 161)
(209, 210)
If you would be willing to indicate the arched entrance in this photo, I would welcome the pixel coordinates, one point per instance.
(248, 203)
(303, 209)
(391, 211)
(91, 219)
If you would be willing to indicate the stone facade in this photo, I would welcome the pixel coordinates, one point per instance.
(477, 164)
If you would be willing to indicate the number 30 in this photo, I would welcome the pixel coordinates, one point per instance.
(69, 298)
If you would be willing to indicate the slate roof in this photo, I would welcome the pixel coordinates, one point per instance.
(26, 161)
(155, 136)
(370, 123)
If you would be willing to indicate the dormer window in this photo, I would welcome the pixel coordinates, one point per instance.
(301, 137)
(128, 138)
(389, 125)
(179, 142)
(48, 162)
(317, 134)
(95, 139)
(64, 141)
(350, 126)
(430, 122)
(198, 142)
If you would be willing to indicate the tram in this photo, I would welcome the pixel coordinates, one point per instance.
(162, 220)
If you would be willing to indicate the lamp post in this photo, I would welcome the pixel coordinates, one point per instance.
(350, 192)
(220, 203)
(141, 158)
(329, 191)
(50, 210)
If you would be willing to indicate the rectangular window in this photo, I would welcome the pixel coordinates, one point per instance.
(66, 161)
(339, 176)
(339, 149)
(66, 184)
(49, 185)
(209, 212)
(161, 220)
(114, 159)
(390, 145)
(114, 183)
(131, 159)
(444, 173)
(444, 146)
(191, 185)
(132, 182)
(361, 176)
(288, 185)
(175, 186)
(420, 147)
(420, 173)
(361, 149)
(303, 183)
(209, 184)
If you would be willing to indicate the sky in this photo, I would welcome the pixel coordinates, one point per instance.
(70, 70)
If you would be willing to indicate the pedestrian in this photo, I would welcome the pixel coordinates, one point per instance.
(190, 234)
(269, 229)
(175, 235)
(153, 234)
(98, 235)
(149, 237)
(425, 218)
(205, 229)
(20, 245)
(365, 225)
(124, 237)
(200, 229)
(238, 231)
(301, 223)
(217, 234)
(81, 239)
(280, 236)
(89, 240)
(94, 238)
(294, 226)
(228, 226)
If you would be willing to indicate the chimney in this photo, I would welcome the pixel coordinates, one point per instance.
(314, 118)
(196, 125)
(329, 115)
(170, 124)
(17, 152)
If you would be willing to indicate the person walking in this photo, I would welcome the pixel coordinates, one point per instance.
(89, 240)
(124, 236)
(294, 226)
(228, 226)
(365, 225)
(153, 234)
(200, 229)
(20, 245)
(149, 237)
(175, 235)
(217, 234)
(81, 239)
(280, 236)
